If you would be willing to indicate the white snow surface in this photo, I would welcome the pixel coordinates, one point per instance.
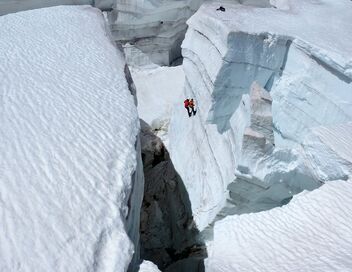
(328, 149)
(10, 6)
(68, 132)
(148, 266)
(159, 89)
(311, 233)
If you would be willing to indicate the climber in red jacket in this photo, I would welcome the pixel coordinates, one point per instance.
(189, 111)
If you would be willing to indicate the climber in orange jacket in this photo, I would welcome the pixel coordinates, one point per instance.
(192, 105)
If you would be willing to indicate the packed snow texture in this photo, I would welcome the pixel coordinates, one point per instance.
(155, 27)
(70, 169)
(9, 6)
(311, 233)
(328, 149)
(304, 63)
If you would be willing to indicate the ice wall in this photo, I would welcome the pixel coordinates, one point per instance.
(70, 170)
(307, 71)
(155, 27)
(311, 92)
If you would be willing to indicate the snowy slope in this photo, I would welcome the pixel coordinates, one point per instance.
(10, 6)
(158, 90)
(70, 174)
(328, 149)
(311, 233)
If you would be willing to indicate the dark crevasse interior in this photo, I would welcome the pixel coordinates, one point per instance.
(169, 237)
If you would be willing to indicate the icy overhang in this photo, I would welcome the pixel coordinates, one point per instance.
(322, 28)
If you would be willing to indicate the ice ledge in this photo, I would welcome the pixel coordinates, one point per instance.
(329, 43)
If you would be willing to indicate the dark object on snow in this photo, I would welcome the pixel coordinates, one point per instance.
(221, 8)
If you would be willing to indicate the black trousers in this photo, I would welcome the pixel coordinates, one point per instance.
(189, 111)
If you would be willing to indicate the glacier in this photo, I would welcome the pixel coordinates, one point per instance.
(71, 172)
(265, 90)
(261, 174)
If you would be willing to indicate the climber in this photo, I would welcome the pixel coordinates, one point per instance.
(221, 8)
(189, 111)
(192, 105)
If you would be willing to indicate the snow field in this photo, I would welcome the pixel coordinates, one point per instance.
(68, 135)
(311, 233)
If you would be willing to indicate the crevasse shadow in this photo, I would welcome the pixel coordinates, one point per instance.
(169, 237)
